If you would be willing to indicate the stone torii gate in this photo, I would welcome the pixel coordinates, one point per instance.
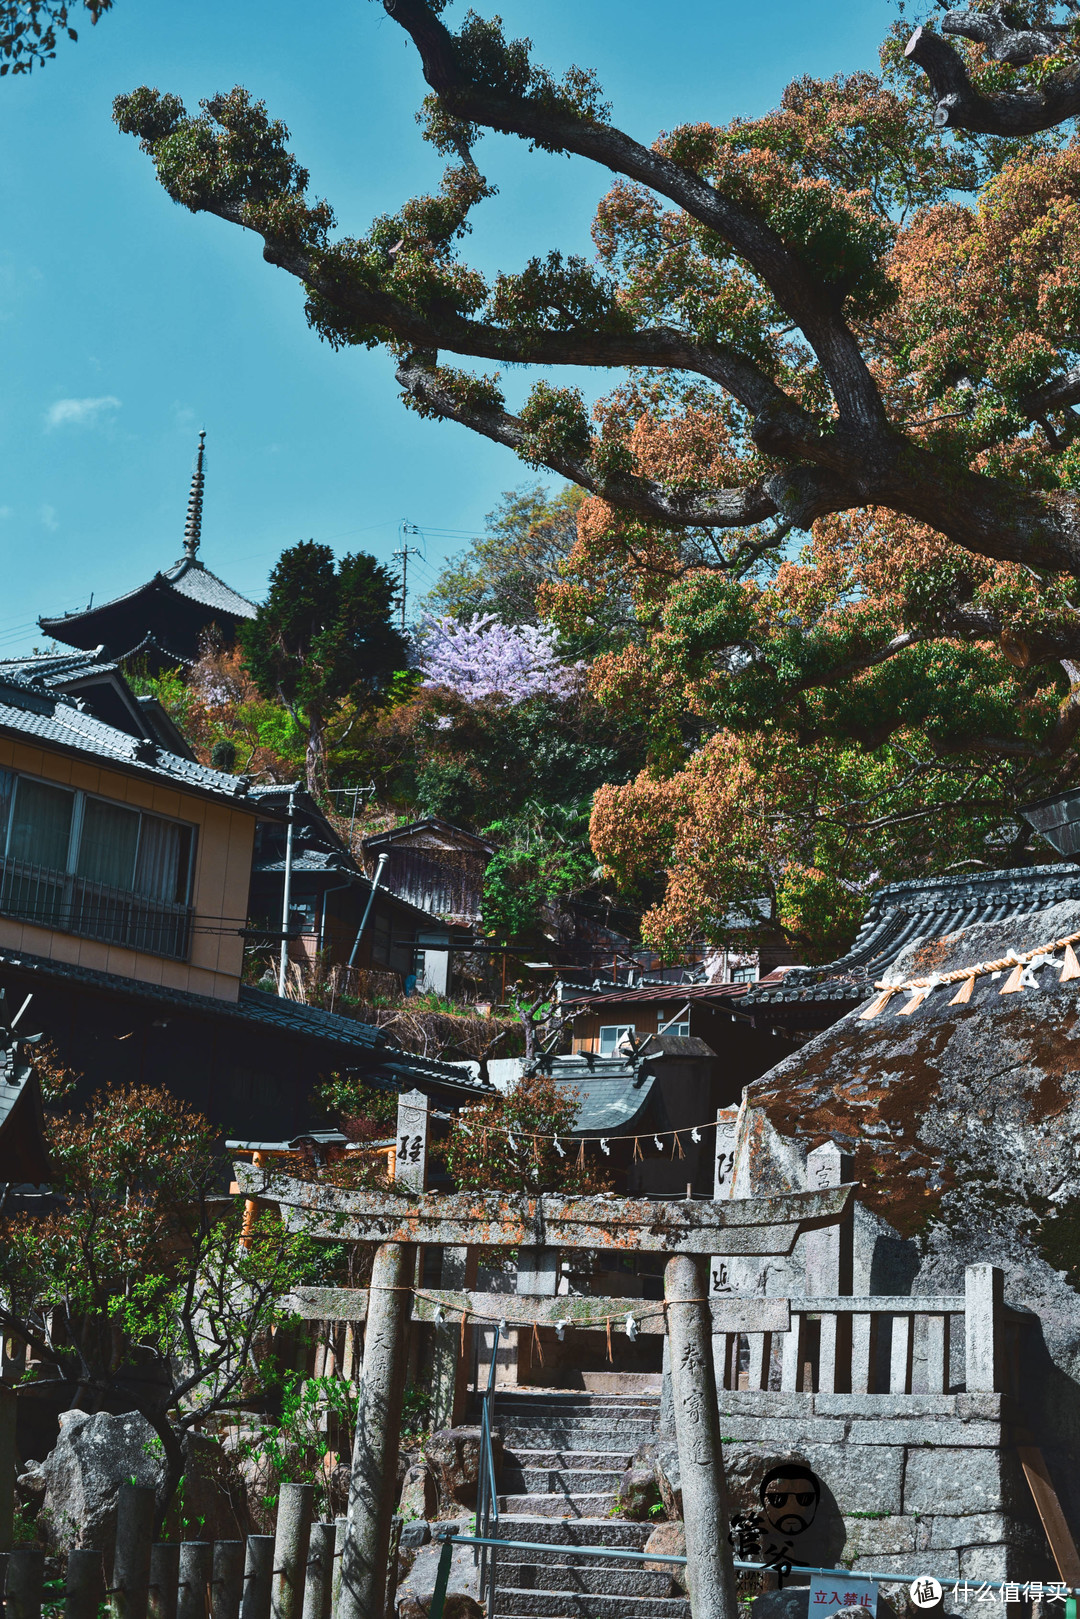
(397, 1222)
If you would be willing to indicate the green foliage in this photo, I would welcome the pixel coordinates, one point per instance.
(529, 534)
(29, 30)
(483, 1153)
(541, 857)
(323, 634)
(292, 1448)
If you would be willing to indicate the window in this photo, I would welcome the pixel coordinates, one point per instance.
(610, 1036)
(88, 866)
(743, 975)
(682, 1029)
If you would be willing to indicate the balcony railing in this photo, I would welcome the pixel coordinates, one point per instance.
(69, 904)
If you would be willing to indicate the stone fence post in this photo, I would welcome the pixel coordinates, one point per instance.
(984, 1305)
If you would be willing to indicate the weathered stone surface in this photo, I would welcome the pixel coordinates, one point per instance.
(782, 1430)
(792, 1603)
(974, 1529)
(419, 1495)
(637, 1494)
(953, 1481)
(669, 1478)
(863, 1478)
(869, 1537)
(94, 1455)
(415, 1534)
(453, 1455)
(668, 1540)
(416, 1590)
(924, 1431)
(990, 1563)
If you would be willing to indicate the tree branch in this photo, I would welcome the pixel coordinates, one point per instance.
(797, 288)
(961, 106)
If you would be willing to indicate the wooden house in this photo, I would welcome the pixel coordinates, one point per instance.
(333, 901)
(124, 880)
(435, 866)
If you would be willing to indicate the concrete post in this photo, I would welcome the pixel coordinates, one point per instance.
(378, 1421)
(164, 1580)
(709, 1568)
(8, 1407)
(193, 1586)
(25, 1577)
(340, 1526)
(227, 1583)
(829, 1258)
(984, 1302)
(320, 1571)
(84, 1583)
(135, 1507)
(258, 1577)
(290, 1550)
(412, 1140)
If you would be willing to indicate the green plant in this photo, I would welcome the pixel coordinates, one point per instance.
(295, 1447)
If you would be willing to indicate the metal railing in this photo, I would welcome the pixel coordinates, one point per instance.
(71, 904)
(487, 1489)
(882, 1577)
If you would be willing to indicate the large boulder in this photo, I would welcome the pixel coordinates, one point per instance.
(453, 1455)
(669, 1477)
(667, 1540)
(415, 1591)
(78, 1483)
(636, 1495)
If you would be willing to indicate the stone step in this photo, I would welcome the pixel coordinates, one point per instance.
(542, 1531)
(607, 1578)
(586, 1428)
(559, 1505)
(587, 1605)
(518, 1456)
(549, 1480)
(580, 1402)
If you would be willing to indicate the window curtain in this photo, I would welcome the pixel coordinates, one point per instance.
(41, 824)
(161, 871)
(110, 837)
(7, 797)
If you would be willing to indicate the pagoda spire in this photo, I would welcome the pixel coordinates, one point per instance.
(193, 526)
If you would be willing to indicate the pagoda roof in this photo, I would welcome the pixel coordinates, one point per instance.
(161, 611)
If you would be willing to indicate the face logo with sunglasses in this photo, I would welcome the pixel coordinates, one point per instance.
(789, 1499)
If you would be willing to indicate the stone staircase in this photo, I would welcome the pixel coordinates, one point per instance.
(563, 1454)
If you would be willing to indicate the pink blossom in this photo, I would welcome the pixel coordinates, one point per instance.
(483, 658)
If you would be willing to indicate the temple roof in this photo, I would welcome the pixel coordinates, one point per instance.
(164, 619)
(900, 916)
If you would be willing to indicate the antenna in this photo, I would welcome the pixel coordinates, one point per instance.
(405, 552)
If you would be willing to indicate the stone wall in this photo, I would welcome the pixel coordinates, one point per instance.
(913, 1484)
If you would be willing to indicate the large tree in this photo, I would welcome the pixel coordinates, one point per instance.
(823, 336)
(323, 634)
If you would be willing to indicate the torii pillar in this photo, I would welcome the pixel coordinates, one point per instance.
(382, 1387)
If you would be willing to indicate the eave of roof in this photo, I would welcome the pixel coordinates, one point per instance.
(29, 714)
(665, 995)
(345, 1036)
(431, 824)
(188, 579)
(903, 913)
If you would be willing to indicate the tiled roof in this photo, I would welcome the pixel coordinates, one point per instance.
(665, 994)
(28, 712)
(348, 1040)
(614, 1091)
(190, 578)
(904, 913)
(48, 669)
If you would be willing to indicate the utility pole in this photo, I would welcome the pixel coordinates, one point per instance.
(286, 898)
(405, 553)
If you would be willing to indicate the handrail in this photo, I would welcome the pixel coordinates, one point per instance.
(442, 1578)
(487, 1489)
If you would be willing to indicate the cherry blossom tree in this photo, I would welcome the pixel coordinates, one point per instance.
(483, 658)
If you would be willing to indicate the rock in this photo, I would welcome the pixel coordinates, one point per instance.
(669, 1478)
(415, 1534)
(419, 1498)
(417, 1589)
(94, 1455)
(668, 1540)
(453, 1455)
(636, 1495)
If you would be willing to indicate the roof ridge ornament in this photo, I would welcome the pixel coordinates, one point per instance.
(193, 526)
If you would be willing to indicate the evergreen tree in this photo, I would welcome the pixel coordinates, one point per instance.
(323, 634)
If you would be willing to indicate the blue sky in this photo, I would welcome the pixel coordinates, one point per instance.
(126, 323)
